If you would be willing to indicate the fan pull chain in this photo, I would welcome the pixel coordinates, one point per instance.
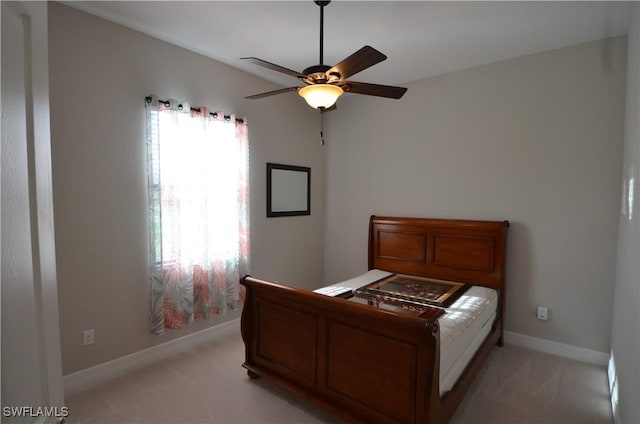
(321, 128)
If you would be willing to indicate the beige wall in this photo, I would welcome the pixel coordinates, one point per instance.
(100, 73)
(625, 333)
(536, 140)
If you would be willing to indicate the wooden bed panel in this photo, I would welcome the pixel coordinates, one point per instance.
(287, 340)
(363, 366)
(402, 246)
(447, 248)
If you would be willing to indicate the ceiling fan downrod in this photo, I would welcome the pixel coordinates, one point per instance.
(322, 4)
(316, 72)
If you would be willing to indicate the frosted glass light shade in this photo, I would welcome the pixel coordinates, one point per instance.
(320, 95)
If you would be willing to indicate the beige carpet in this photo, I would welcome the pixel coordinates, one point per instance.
(208, 385)
(517, 385)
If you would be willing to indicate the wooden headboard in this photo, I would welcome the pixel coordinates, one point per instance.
(472, 252)
(467, 251)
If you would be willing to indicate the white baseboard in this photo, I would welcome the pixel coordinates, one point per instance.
(88, 377)
(557, 348)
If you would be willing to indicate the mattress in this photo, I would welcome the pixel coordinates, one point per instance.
(463, 327)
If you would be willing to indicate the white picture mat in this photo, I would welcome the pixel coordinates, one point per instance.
(289, 190)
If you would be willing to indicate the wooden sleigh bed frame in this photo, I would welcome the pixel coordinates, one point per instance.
(367, 364)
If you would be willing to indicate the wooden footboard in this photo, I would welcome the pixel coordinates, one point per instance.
(362, 363)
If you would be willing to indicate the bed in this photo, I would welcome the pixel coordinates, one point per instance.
(372, 364)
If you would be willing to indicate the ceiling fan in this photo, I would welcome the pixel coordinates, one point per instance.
(324, 84)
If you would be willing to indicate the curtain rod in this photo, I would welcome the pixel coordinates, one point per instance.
(149, 99)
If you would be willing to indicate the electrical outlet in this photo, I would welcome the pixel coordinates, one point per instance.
(88, 337)
(543, 313)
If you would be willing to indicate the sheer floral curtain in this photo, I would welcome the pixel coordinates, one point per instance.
(198, 166)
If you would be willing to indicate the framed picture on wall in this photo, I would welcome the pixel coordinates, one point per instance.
(288, 190)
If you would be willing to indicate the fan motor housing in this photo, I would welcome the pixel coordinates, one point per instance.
(317, 74)
(315, 69)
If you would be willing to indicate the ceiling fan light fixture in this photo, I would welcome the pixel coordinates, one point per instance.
(320, 95)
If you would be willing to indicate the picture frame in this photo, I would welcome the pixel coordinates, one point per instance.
(288, 190)
(411, 290)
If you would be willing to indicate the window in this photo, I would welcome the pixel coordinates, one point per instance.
(198, 170)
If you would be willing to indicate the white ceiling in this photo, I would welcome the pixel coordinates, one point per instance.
(420, 38)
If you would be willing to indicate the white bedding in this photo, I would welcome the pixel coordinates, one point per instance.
(463, 327)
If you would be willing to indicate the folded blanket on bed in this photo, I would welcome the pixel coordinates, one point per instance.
(354, 283)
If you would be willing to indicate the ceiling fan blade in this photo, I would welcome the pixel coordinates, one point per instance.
(272, 93)
(358, 61)
(274, 67)
(373, 89)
